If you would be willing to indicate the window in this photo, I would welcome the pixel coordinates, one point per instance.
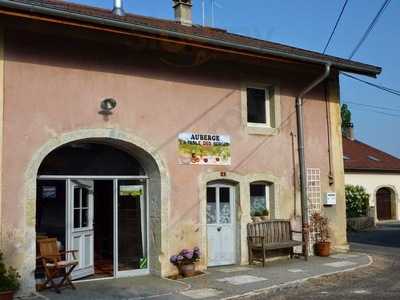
(261, 108)
(81, 207)
(257, 103)
(370, 157)
(211, 205)
(259, 199)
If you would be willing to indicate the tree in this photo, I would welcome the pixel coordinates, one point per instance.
(346, 117)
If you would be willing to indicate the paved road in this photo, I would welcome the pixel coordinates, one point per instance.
(381, 280)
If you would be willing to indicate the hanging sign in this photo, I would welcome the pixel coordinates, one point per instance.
(130, 190)
(204, 149)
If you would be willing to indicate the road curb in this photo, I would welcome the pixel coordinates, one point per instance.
(295, 283)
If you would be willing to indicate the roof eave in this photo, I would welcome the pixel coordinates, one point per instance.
(369, 170)
(40, 9)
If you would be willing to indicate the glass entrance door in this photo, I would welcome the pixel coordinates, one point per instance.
(131, 246)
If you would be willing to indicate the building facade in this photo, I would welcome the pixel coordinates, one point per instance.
(378, 172)
(131, 138)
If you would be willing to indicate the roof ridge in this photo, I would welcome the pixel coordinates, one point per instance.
(81, 5)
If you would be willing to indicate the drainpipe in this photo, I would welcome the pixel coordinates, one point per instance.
(302, 167)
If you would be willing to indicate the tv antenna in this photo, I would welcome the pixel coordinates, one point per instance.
(214, 4)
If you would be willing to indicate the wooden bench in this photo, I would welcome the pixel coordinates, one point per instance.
(270, 235)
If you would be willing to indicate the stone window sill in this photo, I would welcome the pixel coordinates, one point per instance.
(261, 130)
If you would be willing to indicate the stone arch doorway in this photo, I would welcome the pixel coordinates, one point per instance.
(153, 166)
(92, 197)
(385, 203)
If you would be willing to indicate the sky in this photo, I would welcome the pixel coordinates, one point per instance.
(307, 24)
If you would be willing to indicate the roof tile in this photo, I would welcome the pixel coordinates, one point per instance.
(198, 31)
(362, 157)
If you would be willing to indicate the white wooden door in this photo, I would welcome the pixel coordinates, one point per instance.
(80, 226)
(221, 222)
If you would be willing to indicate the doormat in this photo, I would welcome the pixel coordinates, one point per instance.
(104, 267)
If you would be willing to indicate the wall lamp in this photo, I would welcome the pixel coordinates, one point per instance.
(107, 106)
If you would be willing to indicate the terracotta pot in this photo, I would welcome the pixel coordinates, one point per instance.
(187, 270)
(323, 249)
(256, 219)
(7, 295)
(265, 218)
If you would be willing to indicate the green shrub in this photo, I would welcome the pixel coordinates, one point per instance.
(261, 213)
(9, 278)
(357, 201)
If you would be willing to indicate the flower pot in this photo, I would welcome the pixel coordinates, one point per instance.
(7, 295)
(256, 219)
(264, 218)
(187, 270)
(322, 249)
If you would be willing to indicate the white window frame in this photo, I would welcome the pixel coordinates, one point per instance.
(272, 109)
(267, 107)
(267, 199)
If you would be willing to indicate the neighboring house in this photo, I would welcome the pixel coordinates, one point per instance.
(378, 172)
(129, 138)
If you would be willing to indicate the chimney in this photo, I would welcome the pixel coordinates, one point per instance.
(183, 11)
(118, 8)
(348, 131)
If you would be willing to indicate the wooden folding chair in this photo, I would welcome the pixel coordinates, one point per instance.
(56, 264)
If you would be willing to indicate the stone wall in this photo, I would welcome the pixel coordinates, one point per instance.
(360, 223)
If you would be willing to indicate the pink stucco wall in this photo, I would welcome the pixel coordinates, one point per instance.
(55, 85)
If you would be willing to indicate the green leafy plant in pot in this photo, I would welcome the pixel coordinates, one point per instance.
(9, 281)
(320, 227)
(260, 215)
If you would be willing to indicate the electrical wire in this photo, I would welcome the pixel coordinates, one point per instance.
(384, 108)
(378, 112)
(381, 87)
(336, 25)
(370, 27)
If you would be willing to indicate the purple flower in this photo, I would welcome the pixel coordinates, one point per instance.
(180, 258)
(173, 259)
(188, 254)
(184, 252)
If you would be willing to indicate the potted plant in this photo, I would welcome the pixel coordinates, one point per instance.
(256, 217)
(265, 215)
(319, 225)
(9, 281)
(260, 215)
(185, 261)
